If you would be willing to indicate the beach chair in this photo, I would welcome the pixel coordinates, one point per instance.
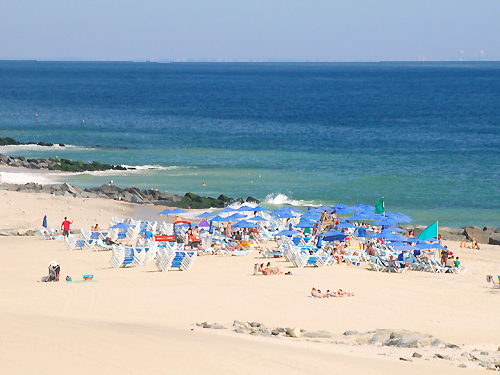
(436, 267)
(118, 256)
(413, 262)
(139, 255)
(164, 258)
(376, 265)
(73, 243)
(101, 245)
(188, 260)
(45, 234)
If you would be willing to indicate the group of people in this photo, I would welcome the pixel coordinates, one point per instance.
(95, 228)
(266, 269)
(316, 293)
(474, 245)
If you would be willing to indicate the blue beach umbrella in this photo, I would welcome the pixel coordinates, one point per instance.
(285, 210)
(395, 237)
(177, 211)
(331, 233)
(305, 224)
(226, 209)
(257, 218)
(340, 206)
(436, 246)
(342, 211)
(166, 211)
(236, 216)
(393, 229)
(44, 222)
(218, 218)
(121, 226)
(401, 246)
(245, 209)
(205, 214)
(361, 215)
(259, 208)
(245, 224)
(311, 216)
(286, 215)
(386, 221)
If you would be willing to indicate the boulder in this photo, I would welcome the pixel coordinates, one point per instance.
(252, 200)
(10, 187)
(489, 229)
(71, 189)
(451, 234)
(30, 186)
(477, 233)
(4, 159)
(127, 197)
(294, 332)
(494, 239)
(137, 199)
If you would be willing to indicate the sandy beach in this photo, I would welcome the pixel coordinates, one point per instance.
(139, 320)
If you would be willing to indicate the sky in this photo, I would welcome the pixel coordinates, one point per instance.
(334, 30)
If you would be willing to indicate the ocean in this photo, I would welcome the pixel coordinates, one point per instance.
(425, 136)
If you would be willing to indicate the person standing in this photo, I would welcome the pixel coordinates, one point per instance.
(65, 227)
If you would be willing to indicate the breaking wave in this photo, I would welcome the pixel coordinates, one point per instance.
(280, 199)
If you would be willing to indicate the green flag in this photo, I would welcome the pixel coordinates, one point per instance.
(379, 206)
(430, 232)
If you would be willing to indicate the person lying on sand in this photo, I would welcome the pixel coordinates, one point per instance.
(341, 293)
(317, 293)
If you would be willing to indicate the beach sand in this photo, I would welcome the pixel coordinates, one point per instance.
(139, 320)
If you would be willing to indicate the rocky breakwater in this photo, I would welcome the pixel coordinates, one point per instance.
(65, 165)
(131, 195)
(486, 235)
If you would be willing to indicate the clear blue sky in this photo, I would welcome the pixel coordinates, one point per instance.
(334, 30)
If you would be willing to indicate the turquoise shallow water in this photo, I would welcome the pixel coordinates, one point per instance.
(425, 137)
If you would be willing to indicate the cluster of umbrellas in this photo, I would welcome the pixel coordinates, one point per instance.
(312, 216)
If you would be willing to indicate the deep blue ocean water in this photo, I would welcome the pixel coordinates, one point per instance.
(425, 136)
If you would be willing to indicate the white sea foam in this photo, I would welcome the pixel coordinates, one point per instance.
(150, 167)
(39, 178)
(279, 199)
(14, 148)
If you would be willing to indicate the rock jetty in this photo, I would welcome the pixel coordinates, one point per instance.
(65, 165)
(131, 195)
(486, 235)
(8, 141)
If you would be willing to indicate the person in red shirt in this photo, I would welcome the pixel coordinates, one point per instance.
(65, 227)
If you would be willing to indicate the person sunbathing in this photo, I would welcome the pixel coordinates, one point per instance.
(474, 244)
(463, 244)
(317, 293)
(276, 270)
